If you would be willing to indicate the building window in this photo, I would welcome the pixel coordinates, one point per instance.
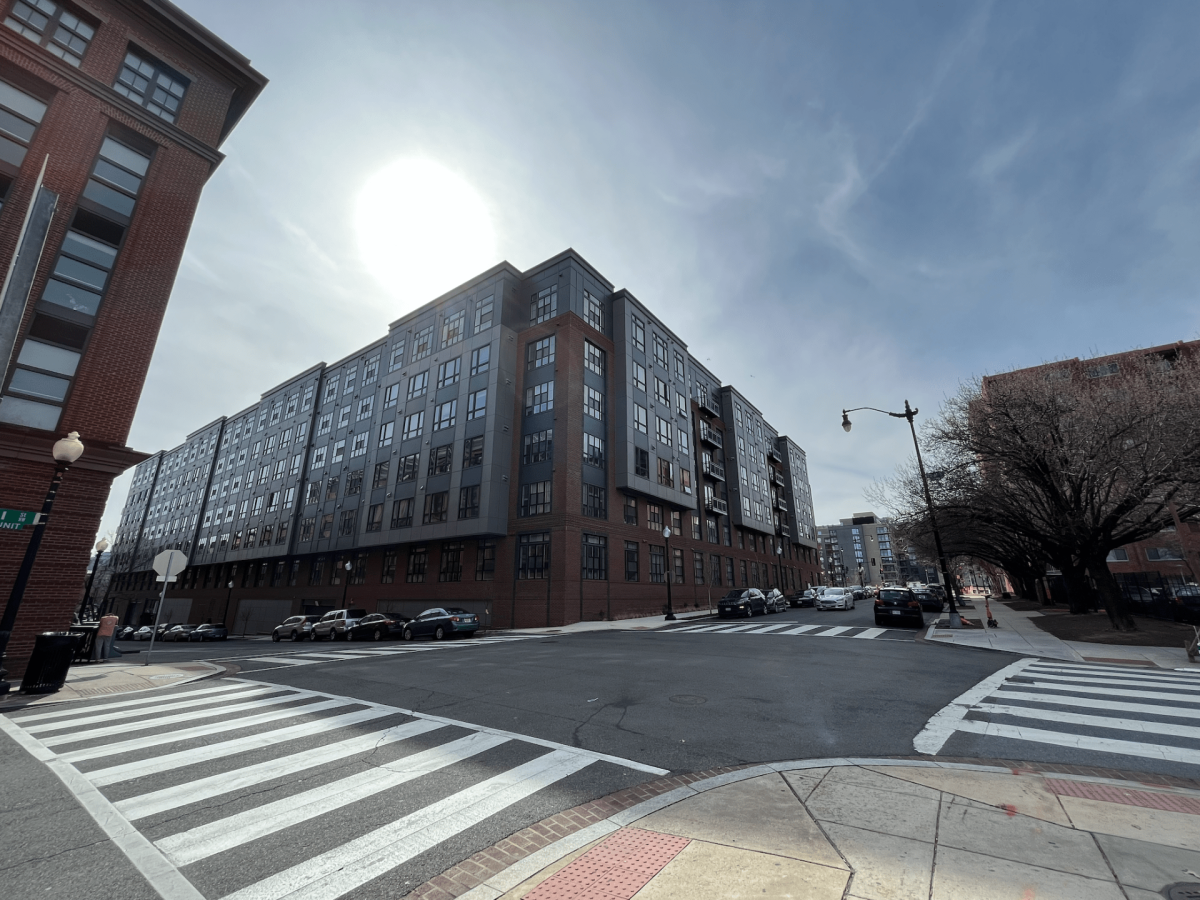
(354, 483)
(658, 567)
(448, 372)
(593, 403)
(281, 534)
(593, 450)
(61, 32)
(1120, 554)
(402, 513)
(483, 313)
(713, 536)
(640, 418)
(539, 353)
(468, 502)
(375, 517)
(408, 466)
(422, 344)
(593, 358)
(594, 565)
(662, 394)
(316, 572)
(639, 334)
(538, 447)
(454, 328)
(485, 560)
(418, 561)
(477, 404)
(351, 374)
(666, 473)
(631, 561)
(533, 556)
(641, 462)
(1161, 553)
(444, 415)
(729, 571)
(677, 565)
(660, 351)
(391, 394)
(539, 398)
(436, 508)
(413, 425)
(715, 569)
(639, 376)
(387, 574)
(593, 311)
(331, 390)
(685, 478)
(451, 564)
(365, 407)
(481, 359)
(149, 83)
(358, 575)
(440, 459)
(663, 430)
(324, 424)
(535, 499)
(348, 523)
(371, 369)
(654, 517)
(696, 536)
(631, 517)
(397, 356)
(380, 478)
(543, 305)
(339, 450)
(472, 452)
(418, 385)
(595, 503)
(745, 580)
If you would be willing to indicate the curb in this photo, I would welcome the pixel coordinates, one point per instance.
(493, 871)
(38, 699)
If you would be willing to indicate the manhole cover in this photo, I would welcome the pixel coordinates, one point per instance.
(1184, 891)
(688, 699)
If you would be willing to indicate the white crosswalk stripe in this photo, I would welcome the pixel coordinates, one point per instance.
(851, 631)
(1044, 703)
(275, 777)
(298, 657)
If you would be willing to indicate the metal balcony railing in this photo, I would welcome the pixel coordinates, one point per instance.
(716, 505)
(713, 469)
(709, 405)
(711, 435)
(781, 503)
(773, 453)
(777, 479)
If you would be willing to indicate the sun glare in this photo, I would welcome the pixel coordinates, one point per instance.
(422, 230)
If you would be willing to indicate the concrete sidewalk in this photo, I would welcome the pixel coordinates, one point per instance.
(644, 623)
(1018, 634)
(113, 676)
(866, 830)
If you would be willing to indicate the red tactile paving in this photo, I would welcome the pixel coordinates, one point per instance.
(1113, 794)
(614, 870)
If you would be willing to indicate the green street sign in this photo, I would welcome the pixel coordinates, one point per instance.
(16, 519)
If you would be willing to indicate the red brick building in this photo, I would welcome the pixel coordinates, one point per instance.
(111, 116)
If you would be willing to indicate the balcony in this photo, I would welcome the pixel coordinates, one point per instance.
(711, 436)
(709, 405)
(713, 469)
(773, 453)
(781, 503)
(716, 505)
(783, 531)
(777, 479)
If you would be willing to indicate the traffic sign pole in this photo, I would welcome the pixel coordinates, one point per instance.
(164, 564)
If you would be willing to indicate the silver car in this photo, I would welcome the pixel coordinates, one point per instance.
(836, 598)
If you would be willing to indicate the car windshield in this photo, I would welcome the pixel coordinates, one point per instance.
(458, 612)
(733, 595)
(893, 595)
(355, 613)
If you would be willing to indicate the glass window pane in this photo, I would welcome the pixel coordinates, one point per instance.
(18, 128)
(20, 102)
(85, 248)
(71, 297)
(107, 197)
(119, 177)
(29, 413)
(123, 156)
(43, 356)
(77, 271)
(11, 152)
(36, 384)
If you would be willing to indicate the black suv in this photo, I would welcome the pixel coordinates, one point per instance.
(747, 603)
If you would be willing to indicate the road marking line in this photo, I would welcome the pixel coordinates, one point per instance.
(190, 792)
(345, 654)
(1113, 705)
(125, 715)
(704, 627)
(1136, 674)
(164, 878)
(1105, 691)
(206, 840)
(941, 724)
(871, 633)
(1081, 741)
(73, 737)
(281, 660)
(355, 863)
(766, 630)
(836, 630)
(731, 629)
(1124, 681)
(1052, 715)
(187, 734)
(802, 629)
(125, 704)
(181, 758)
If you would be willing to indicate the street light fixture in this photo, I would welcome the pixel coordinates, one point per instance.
(669, 573)
(346, 585)
(66, 451)
(101, 546)
(910, 414)
(228, 597)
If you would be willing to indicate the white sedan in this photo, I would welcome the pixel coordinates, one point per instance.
(836, 598)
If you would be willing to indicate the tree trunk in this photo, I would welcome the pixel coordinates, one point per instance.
(1110, 593)
(1079, 592)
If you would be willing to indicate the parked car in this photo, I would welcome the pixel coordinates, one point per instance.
(898, 606)
(859, 593)
(1187, 603)
(803, 598)
(439, 624)
(378, 626)
(747, 603)
(297, 628)
(937, 590)
(180, 633)
(142, 634)
(929, 602)
(775, 601)
(336, 625)
(210, 632)
(836, 598)
(124, 634)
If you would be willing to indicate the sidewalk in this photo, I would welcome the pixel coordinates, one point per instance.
(113, 676)
(1017, 634)
(857, 829)
(644, 623)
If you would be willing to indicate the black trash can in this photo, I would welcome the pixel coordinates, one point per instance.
(83, 650)
(47, 669)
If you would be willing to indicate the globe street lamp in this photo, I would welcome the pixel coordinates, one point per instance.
(667, 563)
(228, 597)
(101, 546)
(66, 451)
(910, 414)
(346, 586)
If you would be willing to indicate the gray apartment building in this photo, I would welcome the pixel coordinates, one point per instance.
(859, 550)
(515, 447)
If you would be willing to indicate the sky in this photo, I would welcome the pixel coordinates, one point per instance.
(834, 204)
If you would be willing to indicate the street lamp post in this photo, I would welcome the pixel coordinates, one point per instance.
(101, 546)
(910, 414)
(669, 573)
(346, 585)
(779, 564)
(66, 451)
(228, 597)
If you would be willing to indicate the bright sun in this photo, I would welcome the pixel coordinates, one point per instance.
(422, 230)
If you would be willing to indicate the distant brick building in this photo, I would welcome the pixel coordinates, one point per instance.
(111, 113)
(516, 447)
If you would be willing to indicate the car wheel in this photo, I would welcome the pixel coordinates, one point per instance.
(378, 634)
(296, 636)
(275, 636)
(407, 634)
(350, 636)
(440, 634)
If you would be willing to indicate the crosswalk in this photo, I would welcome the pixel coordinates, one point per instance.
(370, 651)
(791, 628)
(1102, 709)
(248, 791)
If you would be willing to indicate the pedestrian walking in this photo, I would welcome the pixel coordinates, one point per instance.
(104, 637)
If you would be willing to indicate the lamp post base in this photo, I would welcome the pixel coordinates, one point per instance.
(955, 620)
(670, 617)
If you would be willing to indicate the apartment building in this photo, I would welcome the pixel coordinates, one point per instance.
(112, 113)
(859, 550)
(516, 447)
